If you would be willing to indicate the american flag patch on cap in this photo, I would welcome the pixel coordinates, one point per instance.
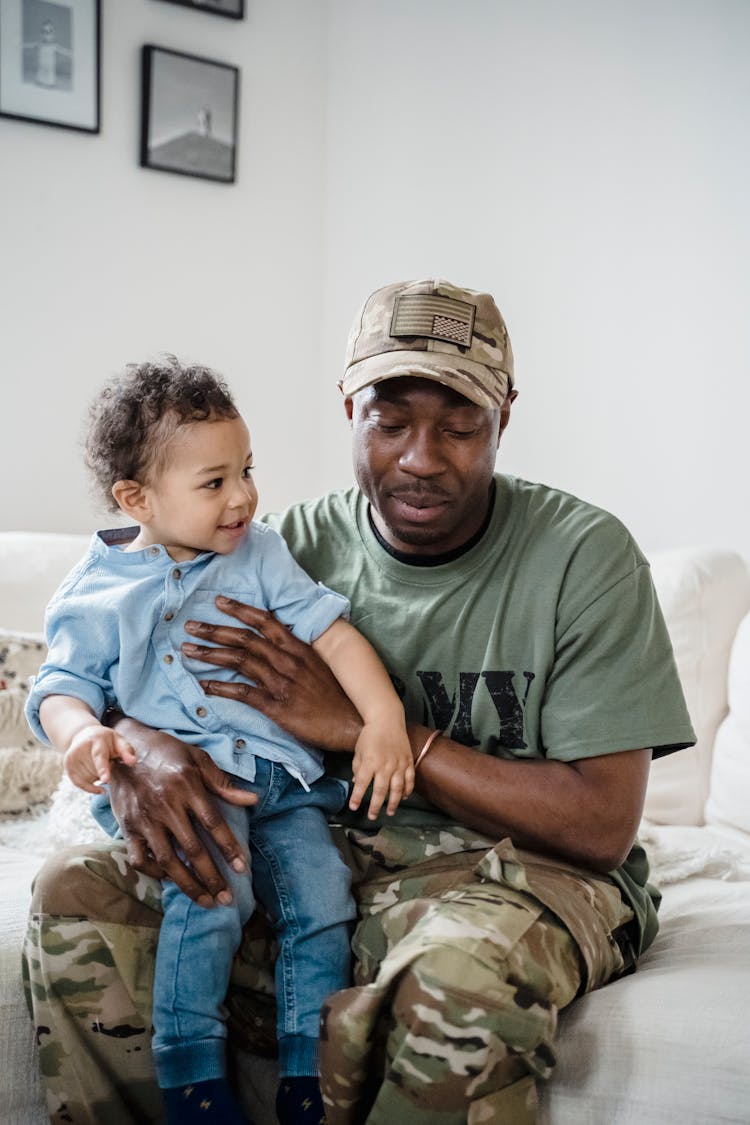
(442, 318)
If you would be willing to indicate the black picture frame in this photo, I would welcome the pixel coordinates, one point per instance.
(232, 9)
(189, 114)
(50, 53)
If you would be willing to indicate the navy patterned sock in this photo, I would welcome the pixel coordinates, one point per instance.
(298, 1101)
(203, 1103)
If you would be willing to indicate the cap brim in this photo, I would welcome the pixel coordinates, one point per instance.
(486, 386)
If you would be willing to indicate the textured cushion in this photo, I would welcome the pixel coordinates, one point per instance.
(20, 657)
(704, 595)
(32, 565)
(729, 797)
(28, 771)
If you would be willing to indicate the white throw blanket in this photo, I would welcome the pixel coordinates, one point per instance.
(676, 852)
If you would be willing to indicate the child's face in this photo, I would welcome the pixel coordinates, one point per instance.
(205, 497)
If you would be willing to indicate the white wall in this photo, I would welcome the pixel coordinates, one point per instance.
(586, 162)
(104, 262)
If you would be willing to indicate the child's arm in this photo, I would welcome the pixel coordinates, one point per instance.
(383, 753)
(88, 746)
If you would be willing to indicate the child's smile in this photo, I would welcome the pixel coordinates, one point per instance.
(205, 497)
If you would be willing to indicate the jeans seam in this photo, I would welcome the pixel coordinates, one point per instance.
(179, 962)
(271, 795)
(291, 928)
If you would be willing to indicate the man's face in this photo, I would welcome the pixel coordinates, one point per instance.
(424, 457)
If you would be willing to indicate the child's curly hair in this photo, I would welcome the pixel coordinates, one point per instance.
(132, 420)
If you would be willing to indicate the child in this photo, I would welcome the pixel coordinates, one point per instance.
(168, 444)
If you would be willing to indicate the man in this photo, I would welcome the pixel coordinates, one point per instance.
(519, 623)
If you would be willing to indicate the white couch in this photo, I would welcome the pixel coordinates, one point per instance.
(669, 1044)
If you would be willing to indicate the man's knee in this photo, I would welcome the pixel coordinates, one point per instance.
(471, 1004)
(452, 1031)
(96, 882)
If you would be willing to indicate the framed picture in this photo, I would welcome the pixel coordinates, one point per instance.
(49, 62)
(234, 9)
(189, 115)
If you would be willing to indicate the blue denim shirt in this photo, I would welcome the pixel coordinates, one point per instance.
(115, 625)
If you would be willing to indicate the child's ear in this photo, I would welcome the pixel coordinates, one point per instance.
(132, 499)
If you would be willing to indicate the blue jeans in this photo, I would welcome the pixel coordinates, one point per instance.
(297, 874)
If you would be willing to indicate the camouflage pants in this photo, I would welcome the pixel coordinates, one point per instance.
(461, 964)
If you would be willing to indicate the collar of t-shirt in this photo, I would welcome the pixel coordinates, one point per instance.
(435, 560)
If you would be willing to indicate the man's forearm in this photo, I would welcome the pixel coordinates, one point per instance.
(566, 808)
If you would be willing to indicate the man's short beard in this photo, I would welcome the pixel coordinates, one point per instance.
(415, 536)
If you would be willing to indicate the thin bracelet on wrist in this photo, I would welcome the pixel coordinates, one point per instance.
(427, 746)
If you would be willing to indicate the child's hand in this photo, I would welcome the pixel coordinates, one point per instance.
(88, 757)
(382, 756)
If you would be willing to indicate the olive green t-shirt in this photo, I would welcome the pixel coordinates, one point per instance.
(543, 640)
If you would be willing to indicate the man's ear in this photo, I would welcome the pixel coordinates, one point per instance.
(132, 499)
(348, 403)
(505, 411)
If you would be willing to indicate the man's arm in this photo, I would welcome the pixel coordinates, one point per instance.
(290, 684)
(161, 799)
(587, 810)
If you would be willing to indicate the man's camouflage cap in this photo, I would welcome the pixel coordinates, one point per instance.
(433, 330)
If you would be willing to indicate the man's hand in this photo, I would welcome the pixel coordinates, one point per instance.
(158, 803)
(290, 683)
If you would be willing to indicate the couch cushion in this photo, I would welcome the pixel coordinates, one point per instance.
(32, 565)
(669, 1044)
(29, 771)
(704, 595)
(20, 657)
(729, 797)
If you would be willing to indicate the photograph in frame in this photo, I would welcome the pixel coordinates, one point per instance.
(189, 115)
(49, 62)
(233, 9)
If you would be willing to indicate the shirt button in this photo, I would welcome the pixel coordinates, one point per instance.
(168, 616)
(240, 743)
(168, 659)
(201, 712)
(176, 573)
(154, 551)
